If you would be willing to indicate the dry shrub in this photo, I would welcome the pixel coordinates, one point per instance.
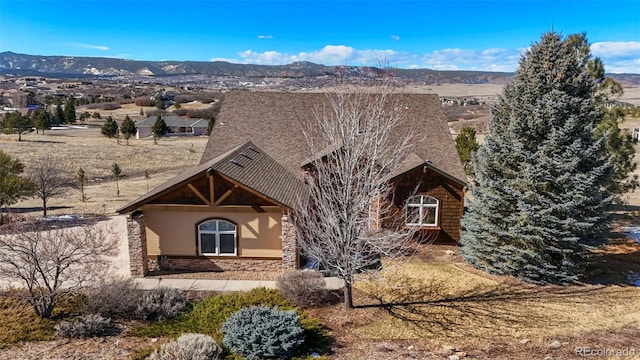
(304, 288)
(85, 326)
(104, 106)
(161, 303)
(188, 346)
(116, 297)
(144, 101)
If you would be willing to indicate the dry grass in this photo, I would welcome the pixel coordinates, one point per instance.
(88, 149)
(435, 301)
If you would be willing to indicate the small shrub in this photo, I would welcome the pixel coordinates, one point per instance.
(84, 326)
(20, 323)
(263, 332)
(116, 297)
(208, 315)
(155, 112)
(188, 347)
(144, 101)
(304, 288)
(180, 112)
(104, 106)
(161, 303)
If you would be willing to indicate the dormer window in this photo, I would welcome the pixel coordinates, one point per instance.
(422, 210)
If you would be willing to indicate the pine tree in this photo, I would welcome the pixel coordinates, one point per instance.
(41, 121)
(117, 172)
(16, 123)
(81, 178)
(110, 128)
(59, 116)
(159, 129)
(70, 110)
(128, 128)
(540, 198)
(466, 145)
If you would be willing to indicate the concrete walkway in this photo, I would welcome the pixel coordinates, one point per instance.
(220, 285)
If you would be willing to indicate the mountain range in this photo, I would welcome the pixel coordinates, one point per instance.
(74, 66)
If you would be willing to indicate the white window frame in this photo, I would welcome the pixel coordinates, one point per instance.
(217, 234)
(421, 208)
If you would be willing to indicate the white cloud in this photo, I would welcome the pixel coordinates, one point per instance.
(607, 49)
(331, 55)
(395, 37)
(265, 37)
(618, 57)
(88, 46)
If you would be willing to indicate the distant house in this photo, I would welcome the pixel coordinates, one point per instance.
(232, 212)
(177, 126)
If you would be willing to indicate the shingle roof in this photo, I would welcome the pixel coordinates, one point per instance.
(246, 164)
(172, 121)
(254, 168)
(272, 120)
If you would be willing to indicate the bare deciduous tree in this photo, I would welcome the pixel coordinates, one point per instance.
(50, 178)
(53, 262)
(357, 141)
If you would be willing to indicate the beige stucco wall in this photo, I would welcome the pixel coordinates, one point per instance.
(175, 233)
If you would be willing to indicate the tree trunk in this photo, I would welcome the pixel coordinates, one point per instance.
(117, 188)
(348, 296)
(44, 208)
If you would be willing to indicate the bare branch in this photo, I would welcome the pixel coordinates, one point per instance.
(51, 262)
(49, 177)
(348, 222)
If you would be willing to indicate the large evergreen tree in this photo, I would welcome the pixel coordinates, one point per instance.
(540, 198)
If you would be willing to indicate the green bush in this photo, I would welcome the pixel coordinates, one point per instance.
(161, 303)
(258, 332)
(85, 326)
(208, 315)
(20, 323)
(188, 346)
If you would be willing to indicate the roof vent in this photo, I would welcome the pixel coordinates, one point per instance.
(253, 149)
(234, 162)
(246, 156)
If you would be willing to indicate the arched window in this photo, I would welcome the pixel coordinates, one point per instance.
(422, 210)
(217, 237)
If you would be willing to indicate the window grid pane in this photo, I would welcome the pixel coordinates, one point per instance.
(422, 210)
(217, 237)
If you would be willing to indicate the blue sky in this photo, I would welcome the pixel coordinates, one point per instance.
(445, 35)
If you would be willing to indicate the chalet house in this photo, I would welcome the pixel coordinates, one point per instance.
(232, 212)
(176, 124)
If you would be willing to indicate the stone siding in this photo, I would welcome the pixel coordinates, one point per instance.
(136, 234)
(195, 264)
(290, 256)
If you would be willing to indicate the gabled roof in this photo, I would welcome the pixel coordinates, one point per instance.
(272, 120)
(245, 164)
(414, 161)
(172, 121)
